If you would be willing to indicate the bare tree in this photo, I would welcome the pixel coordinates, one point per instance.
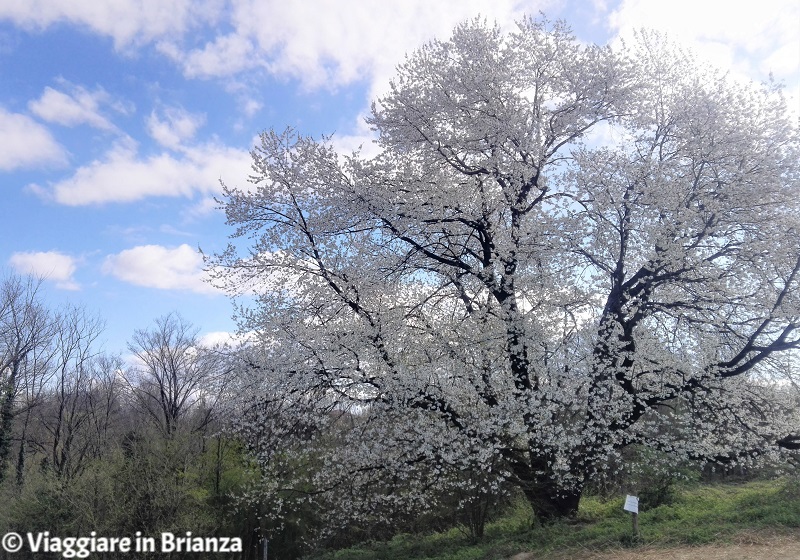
(103, 398)
(174, 373)
(26, 327)
(33, 391)
(68, 420)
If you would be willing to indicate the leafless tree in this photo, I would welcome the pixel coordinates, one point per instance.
(26, 327)
(175, 377)
(69, 417)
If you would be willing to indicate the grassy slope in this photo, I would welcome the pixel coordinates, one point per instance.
(698, 515)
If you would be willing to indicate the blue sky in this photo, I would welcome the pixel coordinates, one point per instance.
(119, 118)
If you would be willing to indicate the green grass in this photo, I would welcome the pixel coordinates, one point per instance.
(699, 514)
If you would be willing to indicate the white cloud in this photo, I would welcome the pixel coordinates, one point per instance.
(362, 140)
(79, 107)
(51, 265)
(322, 44)
(124, 176)
(155, 266)
(127, 22)
(176, 126)
(225, 338)
(217, 338)
(202, 209)
(251, 106)
(226, 55)
(750, 39)
(329, 44)
(26, 143)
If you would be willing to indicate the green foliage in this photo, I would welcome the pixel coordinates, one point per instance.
(653, 476)
(709, 513)
(698, 514)
(144, 484)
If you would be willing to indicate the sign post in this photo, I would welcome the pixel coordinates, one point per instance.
(632, 505)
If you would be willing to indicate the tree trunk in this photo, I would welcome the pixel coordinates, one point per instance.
(550, 503)
(535, 477)
(6, 418)
(21, 461)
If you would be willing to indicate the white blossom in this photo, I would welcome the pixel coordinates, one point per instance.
(497, 297)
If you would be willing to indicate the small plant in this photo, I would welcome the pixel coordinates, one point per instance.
(658, 492)
(631, 540)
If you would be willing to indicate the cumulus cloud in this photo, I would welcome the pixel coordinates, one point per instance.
(26, 143)
(225, 55)
(329, 44)
(163, 268)
(251, 106)
(51, 265)
(750, 39)
(319, 43)
(81, 106)
(224, 338)
(174, 126)
(202, 209)
(129, 23)
(362, 140)
(123, 175)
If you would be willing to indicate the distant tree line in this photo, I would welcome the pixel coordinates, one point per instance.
(175, 436)
(91, 441)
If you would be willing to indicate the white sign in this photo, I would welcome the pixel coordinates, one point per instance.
(631, 504)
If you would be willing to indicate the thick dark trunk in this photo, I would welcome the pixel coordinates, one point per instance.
(551, 504)
(21, 461)
(548, 500)
(6, 419)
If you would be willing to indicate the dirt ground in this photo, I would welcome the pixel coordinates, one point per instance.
(746, 547)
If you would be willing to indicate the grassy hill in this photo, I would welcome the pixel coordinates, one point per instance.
(696, 515)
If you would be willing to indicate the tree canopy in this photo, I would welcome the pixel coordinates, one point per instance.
(560, 251)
